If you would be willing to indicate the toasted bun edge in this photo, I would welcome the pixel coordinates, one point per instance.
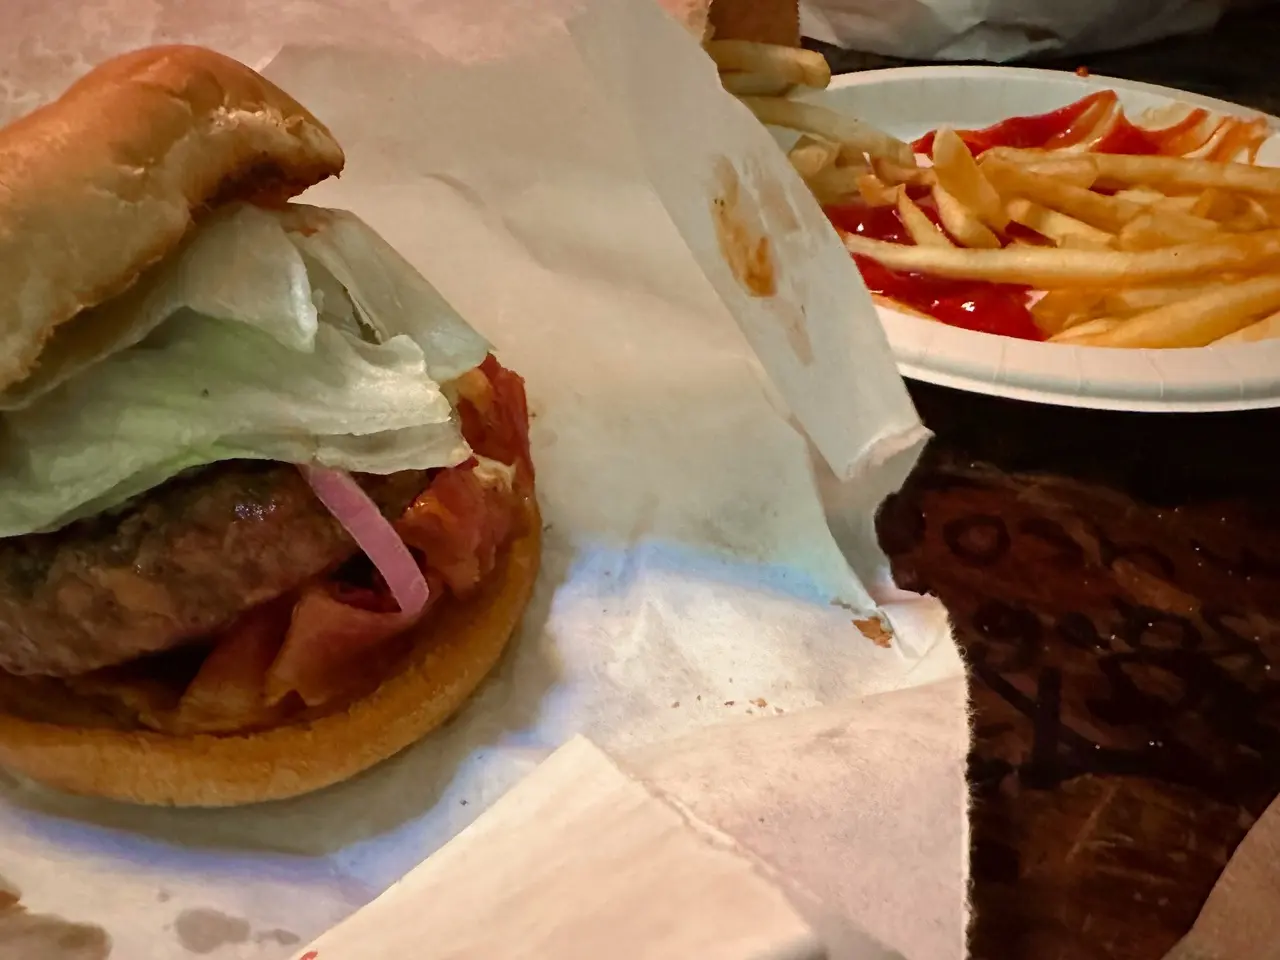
(454, 652)
(106, 180)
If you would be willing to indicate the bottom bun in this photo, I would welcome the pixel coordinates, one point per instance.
(452, 654)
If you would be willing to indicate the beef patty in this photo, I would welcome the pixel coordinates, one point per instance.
(178, 564)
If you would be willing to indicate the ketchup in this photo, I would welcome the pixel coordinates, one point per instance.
(1095, 123)
(1025, 132)
(996, 308)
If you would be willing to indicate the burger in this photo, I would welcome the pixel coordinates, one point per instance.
(267, 509)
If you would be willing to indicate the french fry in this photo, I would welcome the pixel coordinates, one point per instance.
(1015, 181)
(1076, 171)
(1081, 333)
(811, 155)
(836, 184)
(1134, 300)
(922, 229)
(1050, 269)
(1079, 171)
(830, 125)
(1197, 322)
(1060, 310)
(961, 222)
(1143, 195)
(754, 85)
(1058, 227)
(1265, 329)
(1119, 170)
(1253, 216)
(875, 193)
(892, 172)
(1153, 230)
(790, 65)
(958, 174)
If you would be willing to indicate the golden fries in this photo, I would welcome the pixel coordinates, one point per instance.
(754, 85)
(918, 224)
(1060, 310)
(830, 125)
(811, 155)
(1081, 333)
(1197, 322)
(835, 184)
(1127, 302)
(1153, 230)
(1061, 229)
(1095, 209)
(959, 176)
(1118, 170)
(1146, 251)
(1049, 268)
(788, 65)
(1266, 329)
(961, 222)
(892, 172)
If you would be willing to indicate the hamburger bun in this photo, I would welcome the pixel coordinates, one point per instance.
(452, 652)
(98, 186)
(107, 179)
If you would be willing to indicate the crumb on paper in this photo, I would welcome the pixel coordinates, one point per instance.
(760, 702)
(729, 703)
(699, 698)
(874, 630)
(779, 710)
(675, 704)
(462, 803)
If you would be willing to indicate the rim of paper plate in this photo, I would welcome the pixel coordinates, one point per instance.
(908, 101)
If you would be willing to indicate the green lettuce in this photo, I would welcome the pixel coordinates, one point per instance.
(293, 335)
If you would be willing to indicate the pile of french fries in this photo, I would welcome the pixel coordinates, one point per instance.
(1132, 251)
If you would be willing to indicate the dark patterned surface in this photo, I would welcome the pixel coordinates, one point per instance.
(1115, 583)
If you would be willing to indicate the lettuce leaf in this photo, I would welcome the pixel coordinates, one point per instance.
(293, 335)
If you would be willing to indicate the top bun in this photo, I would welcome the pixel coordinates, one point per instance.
(107, 179)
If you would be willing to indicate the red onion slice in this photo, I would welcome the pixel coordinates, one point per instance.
(373, 533)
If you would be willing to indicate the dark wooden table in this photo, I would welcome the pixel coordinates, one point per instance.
(1115, 585)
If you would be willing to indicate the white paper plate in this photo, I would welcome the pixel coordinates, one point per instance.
(910, 101)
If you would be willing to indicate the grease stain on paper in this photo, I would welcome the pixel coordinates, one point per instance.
(746, 218)
(744, 243)
(286, 938)
(202, 930)
(28, 936)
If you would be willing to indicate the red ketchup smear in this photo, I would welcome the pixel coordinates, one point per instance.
(972, 304)
(1125, 137)
(1023, 132)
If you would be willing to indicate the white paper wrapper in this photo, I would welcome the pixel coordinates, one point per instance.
(1000, 30)
(555, 183)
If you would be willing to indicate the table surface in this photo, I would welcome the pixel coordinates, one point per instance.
(1115, 585)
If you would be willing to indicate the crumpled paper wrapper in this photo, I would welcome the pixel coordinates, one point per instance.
(577, 862)
(555, 168)
(1239, 920)
(1000, 30)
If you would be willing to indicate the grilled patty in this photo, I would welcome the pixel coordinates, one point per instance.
(174, 566)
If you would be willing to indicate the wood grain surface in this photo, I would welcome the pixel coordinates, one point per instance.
(1115, 586)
